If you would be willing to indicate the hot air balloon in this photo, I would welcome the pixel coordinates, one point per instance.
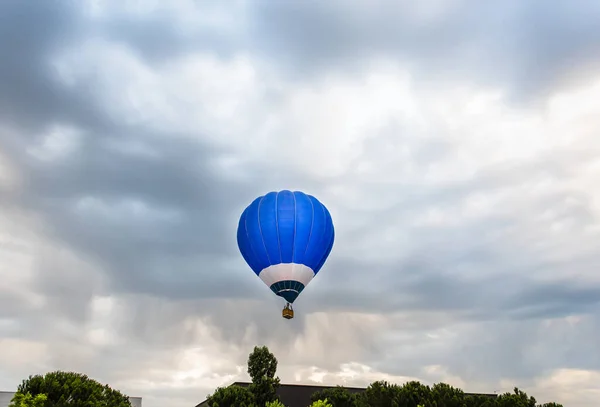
(285, 237)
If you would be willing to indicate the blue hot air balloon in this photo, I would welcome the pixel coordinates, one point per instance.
(285, 237)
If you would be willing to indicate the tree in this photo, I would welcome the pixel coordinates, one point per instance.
(479, 401)
(517, 399)
(231, 396)
(337, 396)
(76, 389)
(413, 393)
(444, 395)
(378, 394)
(27, 400)
(262, 366)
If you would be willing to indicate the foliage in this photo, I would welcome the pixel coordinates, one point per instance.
(262, 366)
(337, 396)
(231, 396)
(412, 393)
(378, 394)
(480, 401)
(445, 395)
(415, 394)
(517, 399)
(74, 389)
(27, 400)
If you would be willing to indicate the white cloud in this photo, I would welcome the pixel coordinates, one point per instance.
(574, 387)
(406, 167)
(58, 142)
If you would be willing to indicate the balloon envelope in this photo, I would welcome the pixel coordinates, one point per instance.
(285, 237)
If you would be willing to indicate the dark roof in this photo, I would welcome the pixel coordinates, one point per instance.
(298, 395)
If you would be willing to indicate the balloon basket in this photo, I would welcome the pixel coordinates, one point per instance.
(288, 312)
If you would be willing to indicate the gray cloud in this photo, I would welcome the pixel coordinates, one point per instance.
(523, 46)
(147, 215)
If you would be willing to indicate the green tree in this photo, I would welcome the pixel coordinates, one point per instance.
(444, 395)
(231, 396)
(321, 403)
(479, 401)
(552, 404)
(413, 393)
(262, 366)
(27, 400)
(337, 396)
(275, 403)
(379, 394)
(74, 389)
(516, 399)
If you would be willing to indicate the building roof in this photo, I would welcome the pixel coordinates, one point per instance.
(298, 395)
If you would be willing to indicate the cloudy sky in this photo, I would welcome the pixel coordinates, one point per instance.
(454, 142)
